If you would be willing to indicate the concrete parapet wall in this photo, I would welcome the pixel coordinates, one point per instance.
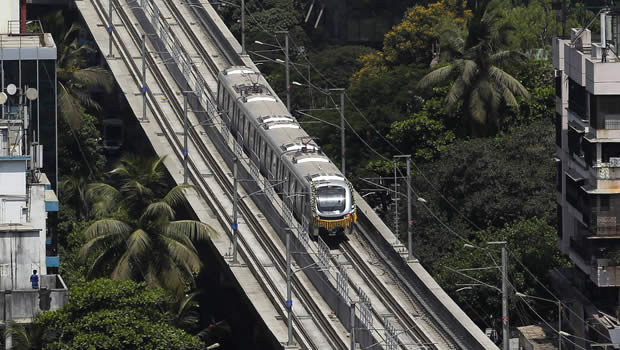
(436, 302)
(576, 65)
(602, 78)
(22, 305)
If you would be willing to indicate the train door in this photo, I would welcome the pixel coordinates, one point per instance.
(240, 126)
(246, 134)
(262, 156)
(273, 168)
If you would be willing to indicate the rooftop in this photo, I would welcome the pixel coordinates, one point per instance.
(34, 44)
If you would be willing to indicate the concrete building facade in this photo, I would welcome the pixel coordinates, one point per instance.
(587, 82)
(27, 106)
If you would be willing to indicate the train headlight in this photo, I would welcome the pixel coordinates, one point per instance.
(348, 215)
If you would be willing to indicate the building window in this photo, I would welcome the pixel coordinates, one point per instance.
(575, 138)
(604, 203)
(558, 177)
(574, 193)
(558, 129)
(589, 152)
(609, 150)
(559, 216)
(558, 83)
(606, 111)
(577, 98)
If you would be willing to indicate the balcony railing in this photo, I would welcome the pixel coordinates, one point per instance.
(33, 27)
(612, 124)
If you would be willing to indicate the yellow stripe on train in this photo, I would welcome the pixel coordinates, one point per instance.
(332, 224)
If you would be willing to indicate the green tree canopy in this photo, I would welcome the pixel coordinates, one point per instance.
(479, 86)
(107, 314)
(492, 182)
(74, 75)
(137, 236)
(531, 242)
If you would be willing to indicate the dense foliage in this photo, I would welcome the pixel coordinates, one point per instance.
(478, 127)
(107, 314)
(138, 234)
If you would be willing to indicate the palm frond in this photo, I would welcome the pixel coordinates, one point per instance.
(506, 57)
(120, 171)
(176, 196)
(173, 279)
(158, 164)
(470, 71)
(439, 76)
(455, 94)
(477, 107)
(194, 230)
(107, 227)
(75, 27)
(84, 98)
(504, 79)
(99, 264)
(138, 243)
(95, 76)
(509, 98)
(98, 192)
(157, 210)
(122, 270)
(135, 189)
(69, 107)
(184, 256)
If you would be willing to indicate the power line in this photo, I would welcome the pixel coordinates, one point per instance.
(426, 207)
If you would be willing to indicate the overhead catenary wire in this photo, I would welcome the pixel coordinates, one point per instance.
(419, 171)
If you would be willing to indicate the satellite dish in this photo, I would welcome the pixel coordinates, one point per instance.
(11, 89)
(3, 98)
(32, 94)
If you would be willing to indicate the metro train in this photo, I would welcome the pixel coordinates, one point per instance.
(317, 193)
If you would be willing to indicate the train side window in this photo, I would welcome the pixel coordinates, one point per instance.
(291, 186)
(251, 138)
(263, 152)
(235, 115)
(268, 164)
(274, 159)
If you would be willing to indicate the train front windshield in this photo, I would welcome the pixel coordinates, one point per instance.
(330, 198)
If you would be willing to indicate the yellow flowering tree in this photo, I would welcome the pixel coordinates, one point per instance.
(411, 41)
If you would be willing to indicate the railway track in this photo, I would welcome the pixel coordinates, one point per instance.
(248, 251)
(410, 329)
(412, 333)
(258, 246)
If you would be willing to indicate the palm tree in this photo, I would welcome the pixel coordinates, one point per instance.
(74, 77)
(183, 312)
(30, 337)
(475, 74)
(139, 237)
(74, 190)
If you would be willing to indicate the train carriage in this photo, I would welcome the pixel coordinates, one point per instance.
(307, 181)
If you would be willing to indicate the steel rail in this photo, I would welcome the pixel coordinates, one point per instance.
(379, 288)
(388, 300)
(173, 139)
(322, 322)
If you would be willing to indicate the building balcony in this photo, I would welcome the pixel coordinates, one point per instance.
(607, 171)
(22, 305)
(602, 76)
(605, 273)
(601, 265)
